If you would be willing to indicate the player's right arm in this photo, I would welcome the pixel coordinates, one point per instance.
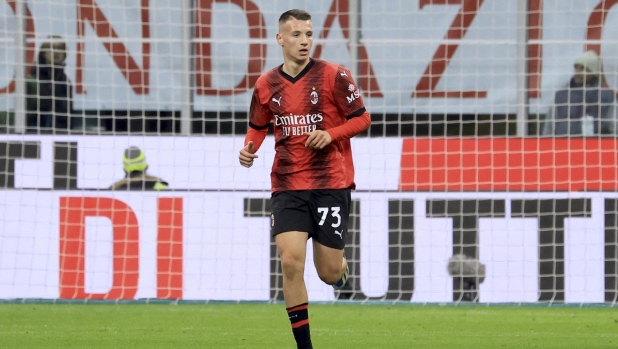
(259, 121)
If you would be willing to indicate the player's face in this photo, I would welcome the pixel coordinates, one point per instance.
(296, 38)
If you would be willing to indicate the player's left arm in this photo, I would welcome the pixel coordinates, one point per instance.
(349, 102)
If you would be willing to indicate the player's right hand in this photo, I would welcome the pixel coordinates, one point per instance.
(247, 155)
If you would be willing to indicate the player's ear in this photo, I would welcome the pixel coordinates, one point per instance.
(279, 39)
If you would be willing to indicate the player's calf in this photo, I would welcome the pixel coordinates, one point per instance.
(344, 278)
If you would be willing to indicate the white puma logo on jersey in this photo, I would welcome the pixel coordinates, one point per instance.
(277, 100)
(342, 73)
(339, 233)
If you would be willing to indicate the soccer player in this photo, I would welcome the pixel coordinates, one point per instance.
(315, 107)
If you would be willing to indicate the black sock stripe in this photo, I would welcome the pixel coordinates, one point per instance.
(297, 316)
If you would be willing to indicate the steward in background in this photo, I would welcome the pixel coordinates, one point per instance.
(136, 178)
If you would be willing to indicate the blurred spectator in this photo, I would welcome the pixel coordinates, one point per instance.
(468, 274)
(135, 166)
(49, 91)
(584, 107)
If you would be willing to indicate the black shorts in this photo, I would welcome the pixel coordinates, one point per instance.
(321, 213)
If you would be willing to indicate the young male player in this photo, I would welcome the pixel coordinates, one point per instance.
(315, 107)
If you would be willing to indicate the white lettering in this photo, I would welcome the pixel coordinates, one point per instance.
(299, 130)
(290, 120)
(315, 118)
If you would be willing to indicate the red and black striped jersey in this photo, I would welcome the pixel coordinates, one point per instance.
(322, 97)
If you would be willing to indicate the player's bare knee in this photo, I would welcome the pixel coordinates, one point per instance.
(292, 263)
(330, 274)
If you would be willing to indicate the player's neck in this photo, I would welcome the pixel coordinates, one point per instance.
(293, 68)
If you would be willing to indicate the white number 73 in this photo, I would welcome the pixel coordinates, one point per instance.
(335, 213)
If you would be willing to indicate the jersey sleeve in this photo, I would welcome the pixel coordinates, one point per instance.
(351, 128)
(346, 95)
(259, 114)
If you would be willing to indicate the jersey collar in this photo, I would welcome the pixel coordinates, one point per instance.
(300, 75)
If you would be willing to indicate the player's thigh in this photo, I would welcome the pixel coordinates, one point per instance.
(331, 210)
(327, 260)
(292, 247)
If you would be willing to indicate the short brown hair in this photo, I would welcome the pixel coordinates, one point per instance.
(301, 15)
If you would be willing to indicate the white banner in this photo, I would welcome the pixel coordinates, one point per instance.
(201, 240)
(224, 254)
(138, 66)
(194, 163)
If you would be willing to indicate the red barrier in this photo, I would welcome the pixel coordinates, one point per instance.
(511, 164)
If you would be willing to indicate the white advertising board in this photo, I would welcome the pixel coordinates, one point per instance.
(201, 241)
(226, 255)
(200, 163)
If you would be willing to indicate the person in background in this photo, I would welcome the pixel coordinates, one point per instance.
(49, 91)
(584, 107)
(136, 178)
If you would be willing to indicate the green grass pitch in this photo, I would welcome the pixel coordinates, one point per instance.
(332, 326)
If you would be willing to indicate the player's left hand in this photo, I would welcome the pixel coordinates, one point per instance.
(317, 139)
